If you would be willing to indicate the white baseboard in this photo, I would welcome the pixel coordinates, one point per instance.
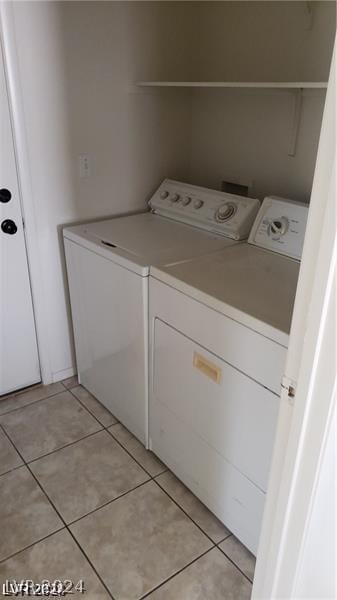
(64, 374)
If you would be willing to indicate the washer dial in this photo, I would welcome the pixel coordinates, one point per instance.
(198, 204)
(175, 198)
(225, 212)
(187, 200)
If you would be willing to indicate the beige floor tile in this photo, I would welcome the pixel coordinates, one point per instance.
(193, 507)
(9, 458)
(239, 554)
(56, 558)
(86, 475)
(70, 382)
(26, 515)
(139, 540)
(96, 408)
(146, 458)
(211, 577)
(20, 399)
(47, 425)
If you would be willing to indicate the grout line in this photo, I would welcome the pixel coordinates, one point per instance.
(225, 538)
(233, 563)
(11, 443)
(69, 388)
(184, 511)
(175, 574)
(107, 428)
(31, 403)
(62, 520)
(150, 478)
(33, 460)
(31, 545)
(108, 502)
(26, 462)
(34, 386)
(89, 411)
(129, 453)
(13, 469)
(91, 564)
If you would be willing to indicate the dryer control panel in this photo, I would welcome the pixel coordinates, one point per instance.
(280, 226)
(219, 212)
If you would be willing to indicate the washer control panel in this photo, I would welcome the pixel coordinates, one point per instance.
(218, 212)
(280, 226)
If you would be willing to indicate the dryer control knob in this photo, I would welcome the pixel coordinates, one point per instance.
(198, 204)
(278, 227)
(175, 198)
(164, 194)
(185, 201)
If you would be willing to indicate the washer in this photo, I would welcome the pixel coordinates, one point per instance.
(219, 328)
(108, 265)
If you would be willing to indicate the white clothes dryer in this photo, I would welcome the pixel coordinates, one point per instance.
(108, 266)
(219, 328)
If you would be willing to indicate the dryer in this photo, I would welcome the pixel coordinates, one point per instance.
(108, 264)
(219, 328)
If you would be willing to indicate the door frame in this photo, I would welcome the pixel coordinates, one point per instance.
(306, 421)
(7, 41)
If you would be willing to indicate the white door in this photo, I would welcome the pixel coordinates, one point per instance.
(297, 552)
(19, 360)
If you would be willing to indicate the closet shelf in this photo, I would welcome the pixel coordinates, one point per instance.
(237, 84)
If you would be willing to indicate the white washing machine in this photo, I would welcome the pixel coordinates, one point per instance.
(219, 328)
(108, 265)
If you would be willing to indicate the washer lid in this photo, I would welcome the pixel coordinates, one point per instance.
(141, 240)
(249, 284)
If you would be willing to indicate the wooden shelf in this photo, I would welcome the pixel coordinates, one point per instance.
(237, 84)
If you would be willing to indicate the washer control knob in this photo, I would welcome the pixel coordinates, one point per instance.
(198, 204)
(186, 201)
(225, 211)
(175, 198)
(278, 227)
(164, 194)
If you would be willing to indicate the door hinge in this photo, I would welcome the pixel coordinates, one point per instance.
(290, 388)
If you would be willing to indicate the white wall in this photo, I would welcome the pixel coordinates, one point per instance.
(245, 135)
(263, 41)
(76, 74)
(134, 137)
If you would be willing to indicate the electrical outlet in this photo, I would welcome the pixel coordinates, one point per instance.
(84, 165)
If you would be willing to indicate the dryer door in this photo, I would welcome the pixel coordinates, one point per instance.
(215, 427)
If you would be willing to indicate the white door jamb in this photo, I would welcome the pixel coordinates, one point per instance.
(8, 41)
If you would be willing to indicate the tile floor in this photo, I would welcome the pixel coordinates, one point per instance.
(81, 499)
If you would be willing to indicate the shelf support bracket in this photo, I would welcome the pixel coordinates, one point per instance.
(298, 96)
